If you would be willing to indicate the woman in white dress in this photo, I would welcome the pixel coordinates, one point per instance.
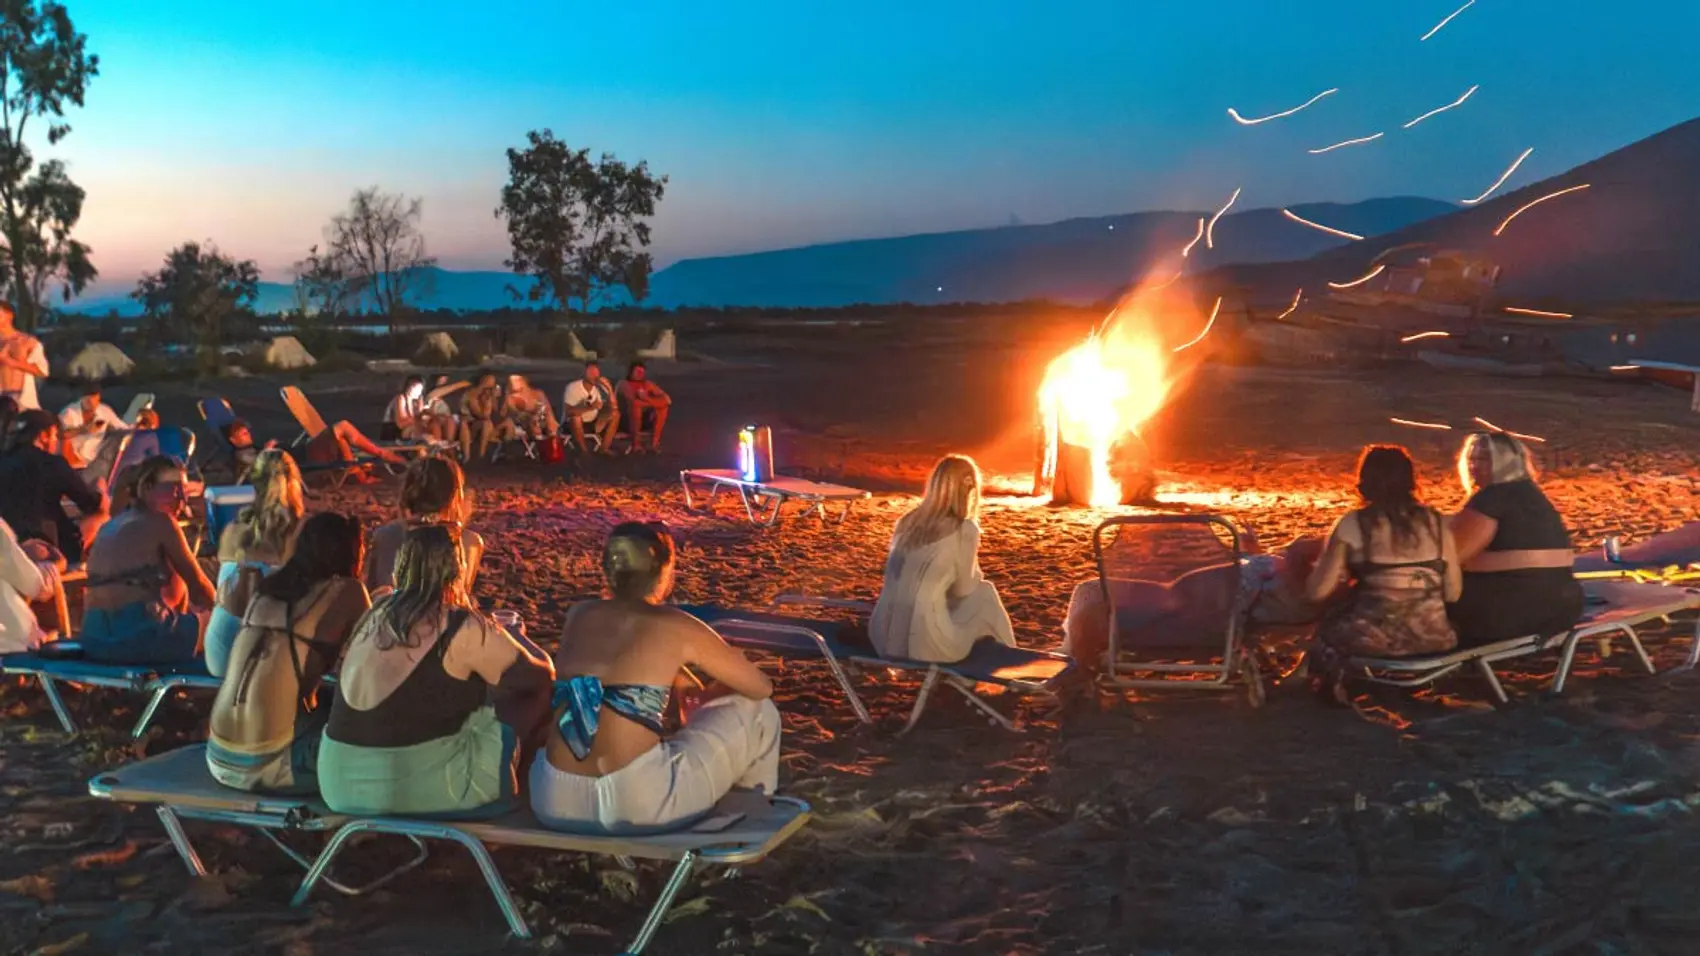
(934, 604)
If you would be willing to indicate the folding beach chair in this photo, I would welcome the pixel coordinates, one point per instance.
(1013, 669)
(1613, 608)
(770, 495)
(1171, 590)
(157, 681)
(742, 829)
(141, 403)
(312, 424)
(1676, 566)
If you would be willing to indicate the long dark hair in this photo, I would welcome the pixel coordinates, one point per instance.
(1387, 484)
(635, 559)
(428, 580)
(434, 487)
(143, 477)
(329, 545)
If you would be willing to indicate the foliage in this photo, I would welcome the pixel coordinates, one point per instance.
(576, 226)
(195, 291)
(375, 253)
(322, 288)
(44, 66)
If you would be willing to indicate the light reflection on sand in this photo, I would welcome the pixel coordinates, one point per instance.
(1173, 491)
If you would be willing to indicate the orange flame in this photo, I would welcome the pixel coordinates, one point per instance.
(1106, 387)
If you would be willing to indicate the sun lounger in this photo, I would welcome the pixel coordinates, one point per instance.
(312, 424)
(814, 494)
(742, 829)
(155, 680)
(1615, 608)
(141, 403)
(1198, 645)
(1015, 669)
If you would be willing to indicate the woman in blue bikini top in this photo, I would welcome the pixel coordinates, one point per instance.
(621, 659)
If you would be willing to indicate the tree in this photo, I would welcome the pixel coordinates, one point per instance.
(321, 286)
(195, 291)
(44, 66)
(377, 250)
(577, 227)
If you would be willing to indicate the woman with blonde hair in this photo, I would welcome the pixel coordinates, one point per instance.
(935, 604)
(252, 546)
(1513, 546)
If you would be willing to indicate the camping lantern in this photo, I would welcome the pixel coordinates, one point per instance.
(755, 453)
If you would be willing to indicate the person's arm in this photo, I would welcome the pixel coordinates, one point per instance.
(64, 483)
(967, 568)
(658, 395)
(34, 361)
(202, 594)
(707, 651)
(1472, 532)
(1330, 568)
(473, 543)
(1452, 581)
(347, 608)
(485, 649)
(237, 591)
(23, 574)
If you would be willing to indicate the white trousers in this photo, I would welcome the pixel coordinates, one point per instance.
(729, 742)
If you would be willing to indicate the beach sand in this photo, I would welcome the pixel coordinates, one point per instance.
(1166, 823)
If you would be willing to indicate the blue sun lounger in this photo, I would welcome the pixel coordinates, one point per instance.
(1014, 669)
(742, 829)
(155, 680)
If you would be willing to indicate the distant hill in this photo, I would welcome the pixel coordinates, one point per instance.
(1077, 260)
(1632, 236)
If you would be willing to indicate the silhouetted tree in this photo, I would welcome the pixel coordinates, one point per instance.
(195, 291)
(321, 286)
(43, 67)
(375, 246)
(577, 227)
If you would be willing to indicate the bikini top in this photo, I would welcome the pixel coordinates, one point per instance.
(581, 699)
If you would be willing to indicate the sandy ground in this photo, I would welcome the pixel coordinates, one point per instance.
(1170, 823)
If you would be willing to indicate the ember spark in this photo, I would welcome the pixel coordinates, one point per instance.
(1207, 327)
(1502, 178)
(1455, 103)
(1539, 312)
(1426, 335)
(1317, 225)
(1438, 426)
(1360, 280)
(1536, 202)
(1275, 116)
(1490, 426)
(1449, 16)
(1347, 142)
(1210, 228)
(1195, 237)
(1291, 308)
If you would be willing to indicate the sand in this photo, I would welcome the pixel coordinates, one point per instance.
(1170, 823)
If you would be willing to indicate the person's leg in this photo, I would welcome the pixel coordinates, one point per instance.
(346, 432)
(729, 742)
(551, 427)
(607, 426)
(576, 425)
(660, 412)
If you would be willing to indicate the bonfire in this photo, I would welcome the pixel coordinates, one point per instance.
(1093, 402)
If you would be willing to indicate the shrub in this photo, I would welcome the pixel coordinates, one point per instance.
(620, 343)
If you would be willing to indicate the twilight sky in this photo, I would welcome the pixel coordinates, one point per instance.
(785, 123)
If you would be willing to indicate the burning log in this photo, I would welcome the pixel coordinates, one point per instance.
(1068, 473)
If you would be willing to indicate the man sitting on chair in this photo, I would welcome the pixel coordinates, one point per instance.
(480, 416)
(529, 410)
(243, 452)
(644, 399)
(591, 410)
(88, 427)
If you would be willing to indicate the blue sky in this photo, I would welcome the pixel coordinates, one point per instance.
(788, 123)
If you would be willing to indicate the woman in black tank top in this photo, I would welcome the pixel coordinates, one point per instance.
(1516, 552)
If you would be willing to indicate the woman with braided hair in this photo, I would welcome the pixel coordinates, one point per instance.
(615, 766)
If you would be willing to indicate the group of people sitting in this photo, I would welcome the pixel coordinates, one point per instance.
(592, 408)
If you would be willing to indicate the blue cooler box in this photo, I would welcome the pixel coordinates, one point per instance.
(224, 503)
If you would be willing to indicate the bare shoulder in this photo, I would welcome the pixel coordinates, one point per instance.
(684, 625)
(472, 538)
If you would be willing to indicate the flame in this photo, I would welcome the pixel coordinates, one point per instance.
(1106, 387)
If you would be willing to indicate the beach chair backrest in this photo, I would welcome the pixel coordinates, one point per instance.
(305, 414)
(139, 404)
(215, 412)
(1169, 581)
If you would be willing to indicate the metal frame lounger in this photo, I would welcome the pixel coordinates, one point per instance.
(1023, 671)
(742, 829)
(313, 424)
(780, 489)
(1625, 606)
(155, 680)
(1175, 653)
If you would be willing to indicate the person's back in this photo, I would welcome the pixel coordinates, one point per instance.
(613, 766)
(267, 708)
